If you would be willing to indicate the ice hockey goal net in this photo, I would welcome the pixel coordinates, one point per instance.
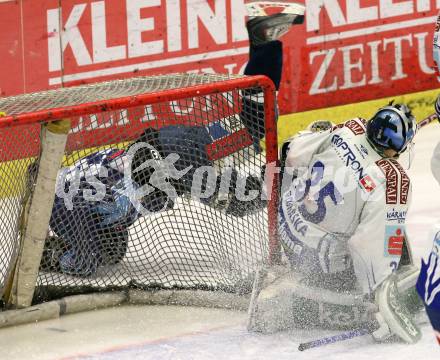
(191, 244)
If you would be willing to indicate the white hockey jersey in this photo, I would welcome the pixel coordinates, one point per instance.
(347, 206)
(435, 163)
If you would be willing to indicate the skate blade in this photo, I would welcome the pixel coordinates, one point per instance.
(268, 8)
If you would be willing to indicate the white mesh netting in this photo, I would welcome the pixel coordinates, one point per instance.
(102, 240)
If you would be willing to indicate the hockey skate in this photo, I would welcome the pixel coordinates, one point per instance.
(269, 20)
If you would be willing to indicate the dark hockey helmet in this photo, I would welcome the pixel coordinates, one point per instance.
(392, 127)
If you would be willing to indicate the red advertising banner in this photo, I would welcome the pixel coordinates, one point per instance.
(347, 51)
(357, 50)
(62, 43)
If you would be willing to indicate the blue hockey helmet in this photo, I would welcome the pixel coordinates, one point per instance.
(392, 127)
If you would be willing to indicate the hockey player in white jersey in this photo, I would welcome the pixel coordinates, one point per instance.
(342, 227)
(350, 195)
(428, 284)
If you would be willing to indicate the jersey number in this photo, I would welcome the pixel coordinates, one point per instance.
(329, 190)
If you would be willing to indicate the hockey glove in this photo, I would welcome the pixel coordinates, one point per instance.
(320, 125)
(333, 255)
(120, 210)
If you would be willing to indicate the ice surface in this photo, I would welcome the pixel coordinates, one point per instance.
(236, 343)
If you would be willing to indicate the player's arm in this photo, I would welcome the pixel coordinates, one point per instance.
(298, 151)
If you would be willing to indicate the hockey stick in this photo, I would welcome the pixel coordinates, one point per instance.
(260, 276)
(426, 121)
(333, 339)
(421, 320)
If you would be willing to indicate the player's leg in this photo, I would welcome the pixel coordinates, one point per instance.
(268, 23)
(112, 244)
(72, 249)
(147, 160)
(54, 248)
(228, 191)
(266, 57)
(264, 30)
(394, 318)
(288, 300)
(81, 240)
(388, 311)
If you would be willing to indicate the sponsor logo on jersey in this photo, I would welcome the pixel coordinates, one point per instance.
(355, 127)
(364, 150)
(286, 236)
(391, 180)
(394, 238)
(295, 220)
(395, 215)
(350, 160)
(404, 183)
(334, 316)
(367, 183)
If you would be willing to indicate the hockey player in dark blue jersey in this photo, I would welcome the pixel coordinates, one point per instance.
(428, 284)
(97, 198)
(90, 228)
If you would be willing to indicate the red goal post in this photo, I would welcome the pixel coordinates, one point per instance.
(189, 246)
